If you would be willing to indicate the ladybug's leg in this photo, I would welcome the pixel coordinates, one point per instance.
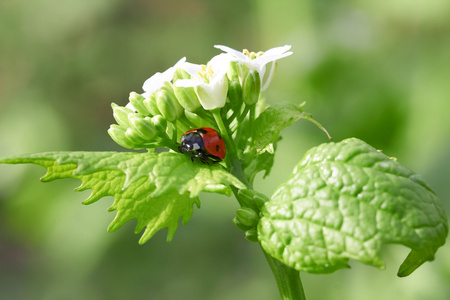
(180, 149)
(203, 158)
(194, 154)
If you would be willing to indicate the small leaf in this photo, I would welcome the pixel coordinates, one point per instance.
(155, 189)
(343, 201)
(268, 125)
(255, 164)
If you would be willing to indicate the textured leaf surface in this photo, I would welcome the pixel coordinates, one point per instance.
(343, 201)
(155, 189)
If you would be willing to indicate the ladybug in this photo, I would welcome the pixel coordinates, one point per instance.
(203, 143)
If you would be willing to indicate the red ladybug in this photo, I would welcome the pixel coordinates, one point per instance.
(203, 143)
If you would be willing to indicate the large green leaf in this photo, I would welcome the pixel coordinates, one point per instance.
(155, 189)
(343, 201)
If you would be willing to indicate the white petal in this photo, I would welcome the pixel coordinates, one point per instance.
(153, 83)
(265, 59)
(192, 69)
(220, 63)
(277, 50)
(211, 96)
(214, 94)
(187, 83)
(180, 63)
(158, 79)
(231, 51)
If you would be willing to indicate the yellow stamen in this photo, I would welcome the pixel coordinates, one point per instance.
(252, 55)
(206, 73)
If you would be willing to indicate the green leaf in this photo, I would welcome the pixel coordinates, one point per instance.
(253, 164)
(155, 189)
(268, 125)
(263, 136)
(343, 201)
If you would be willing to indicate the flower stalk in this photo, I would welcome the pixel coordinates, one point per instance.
(288, 279)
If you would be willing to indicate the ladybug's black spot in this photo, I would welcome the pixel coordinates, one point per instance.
(201, 130)
(217, 147)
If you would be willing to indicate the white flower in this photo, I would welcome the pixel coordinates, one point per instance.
(258, 61)
(210, 81)
(158, 80)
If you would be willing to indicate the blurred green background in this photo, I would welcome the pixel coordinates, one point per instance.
(376, 70)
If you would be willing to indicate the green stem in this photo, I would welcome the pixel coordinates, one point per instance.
(288, 279)
(250, 124)
(231, 159)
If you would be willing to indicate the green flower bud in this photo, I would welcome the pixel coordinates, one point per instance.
(252, 199)
(247, 216)
(160, 123)
(117, 133)
(181, 74)
(120, 114)
(137, 101)
(241, 226)
(235, 93)
(187, 98)
(251, 235)
(251, 87)
(150, 105)
(134, 137)
(144, 127)
(260, 200)
(168, 105)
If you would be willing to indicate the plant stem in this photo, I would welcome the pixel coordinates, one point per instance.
(288, 279)
(231, 159)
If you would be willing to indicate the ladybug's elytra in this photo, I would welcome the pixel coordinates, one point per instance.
(203, 143)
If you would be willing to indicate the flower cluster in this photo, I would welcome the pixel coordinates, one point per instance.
(188, 95)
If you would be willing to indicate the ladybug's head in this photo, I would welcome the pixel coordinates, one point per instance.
(190, 142)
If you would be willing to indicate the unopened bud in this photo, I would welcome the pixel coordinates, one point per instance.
(235, 93)
(137, 101)
(241, 226)
(117, 133)
(134, 137)
(144, 127)
(187, 98)
(168, 105)
(150, 105)
(181, 74)
(252, 199)
(251, 235)
(160, 123)
(251, 87)
(120, 114)
(247, 216)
